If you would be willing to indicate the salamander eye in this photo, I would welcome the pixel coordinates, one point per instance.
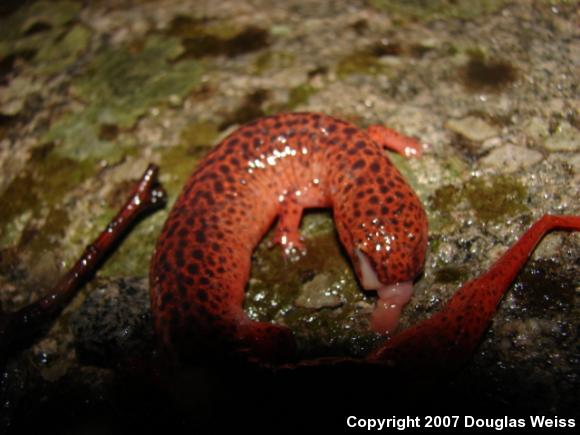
(368, 276)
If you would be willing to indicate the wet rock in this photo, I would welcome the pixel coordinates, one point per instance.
(537, 128)
(472, 128)
(13, 97)
(509, 158)
(318, 293)
(565, 138)
(114, 323)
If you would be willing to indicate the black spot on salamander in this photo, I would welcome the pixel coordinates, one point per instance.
(179, 258)
(360, 144)
(165, 266)
(359, 164)
(197, 254)
(218, 187)
(202, 295)
(224, 169)
(185, 279)
(375, 167)
(182, 289)
(166, 299)
(209, 198)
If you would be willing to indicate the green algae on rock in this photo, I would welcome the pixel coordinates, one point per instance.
(35, 26)
(363, 62)
(492, 199)
(118, 87)
(273, 60)
(64, 52)
(205, 37)
(44, 182)
(179, 161)
(274, 292)
(436, 9)
(497, 198)
(13, 97)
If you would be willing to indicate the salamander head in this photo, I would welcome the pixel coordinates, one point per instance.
(388, 260)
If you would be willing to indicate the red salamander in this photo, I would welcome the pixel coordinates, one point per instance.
(275, 168)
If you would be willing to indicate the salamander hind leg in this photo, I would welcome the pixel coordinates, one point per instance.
(287, 231)
(267, 343)
(394, 141)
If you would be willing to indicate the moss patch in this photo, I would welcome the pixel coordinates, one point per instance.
(427, 10)
(363, 62)
(496, 198)
(36, 26)
(273, 60)
(118, 87)
(276, 282)
(43, 183)
(205, 37)
(492, 199)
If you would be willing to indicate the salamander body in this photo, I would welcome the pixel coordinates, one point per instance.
(274, 168)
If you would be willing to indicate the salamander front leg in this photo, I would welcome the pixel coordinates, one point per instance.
(287, 231)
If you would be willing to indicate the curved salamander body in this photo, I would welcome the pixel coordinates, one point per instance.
(276, 167)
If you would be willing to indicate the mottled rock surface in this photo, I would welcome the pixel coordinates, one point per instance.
(90, 92)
